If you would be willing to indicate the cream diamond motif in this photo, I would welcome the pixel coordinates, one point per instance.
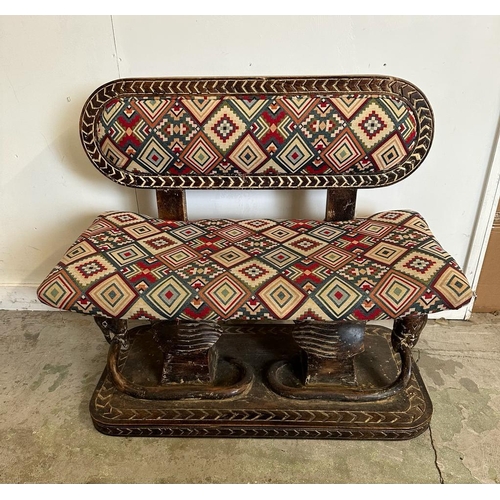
(248, 155)
(225, 295)
(372, 125)
(343, 152)
(224, 128)
(281, 297)
(201, 155)
(169, 296)
(337, 297)
(112, 295)
(254, 273)
(295, 154)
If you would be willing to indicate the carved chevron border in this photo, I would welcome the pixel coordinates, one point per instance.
(380, 85)
(389, 435)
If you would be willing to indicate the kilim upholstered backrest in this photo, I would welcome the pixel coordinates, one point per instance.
(315, 132)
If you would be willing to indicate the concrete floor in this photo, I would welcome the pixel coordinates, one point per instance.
(50, 364)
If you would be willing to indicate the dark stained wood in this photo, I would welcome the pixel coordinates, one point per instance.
(189, 350)
(171, 392)
(114, 330)
(407, 330)
(329, 391)
(340, 204)
(328, 351)
(171, 204)
(261, 412)
(327, 365)
(319, 370)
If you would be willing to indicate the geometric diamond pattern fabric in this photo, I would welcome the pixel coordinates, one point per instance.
(131, 266)
(249, 135)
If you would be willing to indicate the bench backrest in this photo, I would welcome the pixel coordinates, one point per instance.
(315, 132)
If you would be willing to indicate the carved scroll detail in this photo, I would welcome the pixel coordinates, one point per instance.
(407, 330)
(189, 364)
(114, 330)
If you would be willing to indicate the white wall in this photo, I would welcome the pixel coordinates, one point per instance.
(49, 191)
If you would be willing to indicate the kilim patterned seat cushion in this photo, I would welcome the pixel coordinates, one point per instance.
(132, 266)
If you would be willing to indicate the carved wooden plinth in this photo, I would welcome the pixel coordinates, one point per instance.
(260, 411)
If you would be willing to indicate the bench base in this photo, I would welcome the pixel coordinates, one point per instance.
(261, 412)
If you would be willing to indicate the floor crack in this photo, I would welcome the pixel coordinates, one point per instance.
(441, 480)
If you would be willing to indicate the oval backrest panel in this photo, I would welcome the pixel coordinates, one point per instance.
(263, 132)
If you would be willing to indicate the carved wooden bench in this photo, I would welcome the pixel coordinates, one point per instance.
(258, 327)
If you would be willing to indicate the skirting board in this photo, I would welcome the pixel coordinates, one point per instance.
(23, 298)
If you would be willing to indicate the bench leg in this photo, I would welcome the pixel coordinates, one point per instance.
(327, 375)
(407, 330)
(114, 330)
(315, 399)
(328, 351)
(190, 352)
(190, 361)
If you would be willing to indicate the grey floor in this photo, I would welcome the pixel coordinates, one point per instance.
(50, 364)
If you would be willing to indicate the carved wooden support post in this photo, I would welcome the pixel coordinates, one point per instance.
(329, 350)
(171, 204)
(114, 330)
(340, 204)
(407, 330)
(190, 355)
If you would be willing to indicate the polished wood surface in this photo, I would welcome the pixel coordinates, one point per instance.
(340, 204)
(171, 204)
(258, 410)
